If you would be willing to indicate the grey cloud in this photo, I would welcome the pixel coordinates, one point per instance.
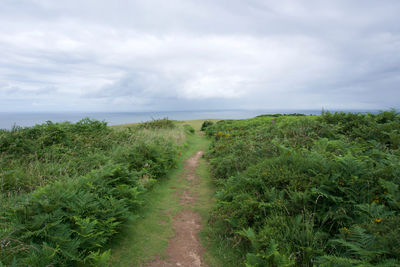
(18, 91)
(200, 54)
(139, 84)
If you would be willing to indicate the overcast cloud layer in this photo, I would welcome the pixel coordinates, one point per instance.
(126, 55)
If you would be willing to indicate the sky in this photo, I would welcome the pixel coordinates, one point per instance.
(128, 55)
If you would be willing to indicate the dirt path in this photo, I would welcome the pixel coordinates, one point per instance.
(185, 248)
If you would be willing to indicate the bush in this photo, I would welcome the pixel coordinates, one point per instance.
(66, 189)
(205, 125)
(71, 219)
(164, 123)
(188, 128)
(300, 190)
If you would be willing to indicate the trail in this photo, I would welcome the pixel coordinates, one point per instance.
(185, 248)
(165, 231)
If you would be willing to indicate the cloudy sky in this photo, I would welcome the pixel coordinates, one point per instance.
(127, 55)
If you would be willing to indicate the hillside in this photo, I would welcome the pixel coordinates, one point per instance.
(274, 190)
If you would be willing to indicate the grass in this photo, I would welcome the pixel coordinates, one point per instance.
(146, 235)
(219, 250)
(195, 123)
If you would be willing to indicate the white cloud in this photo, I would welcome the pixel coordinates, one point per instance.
(133, 55)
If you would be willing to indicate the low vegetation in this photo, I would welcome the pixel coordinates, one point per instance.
(309, 190)
(292, 190)
(206, 124)
(67, 188)
(157, 124)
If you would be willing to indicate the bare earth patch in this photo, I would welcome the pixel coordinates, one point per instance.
(185, 248)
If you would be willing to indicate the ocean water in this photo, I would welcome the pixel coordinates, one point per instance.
(8, 119)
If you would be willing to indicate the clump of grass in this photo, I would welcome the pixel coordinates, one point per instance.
(164, 123)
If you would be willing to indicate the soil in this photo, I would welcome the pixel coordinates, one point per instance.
(185, 248)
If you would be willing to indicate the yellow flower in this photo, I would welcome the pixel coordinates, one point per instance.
(227, 135)
(219, 134)
(341, 183)
(265, 173)
(378, 220)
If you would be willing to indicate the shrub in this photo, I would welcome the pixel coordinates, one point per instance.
(71, 219)
(164, 123)
(300, 190)
(188, 128)
(205, 125)
(66, 189)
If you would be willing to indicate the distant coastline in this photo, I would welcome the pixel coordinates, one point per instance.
(24, 119)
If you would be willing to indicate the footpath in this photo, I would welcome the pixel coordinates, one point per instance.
(168, 231)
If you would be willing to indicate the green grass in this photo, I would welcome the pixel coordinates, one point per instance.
(146, 236)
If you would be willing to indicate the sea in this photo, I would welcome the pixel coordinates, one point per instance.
(25, 119)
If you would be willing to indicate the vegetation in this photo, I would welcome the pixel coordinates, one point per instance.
(188, 128)
(292, 190)
(67, 188)
(147, 236)
(309, 190)
(206, 124)
(164, 123)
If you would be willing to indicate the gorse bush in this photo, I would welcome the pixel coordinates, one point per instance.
(309, 190)
(67, 189)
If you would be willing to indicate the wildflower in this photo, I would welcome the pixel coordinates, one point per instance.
(281, 169)
(265, 173)
(376, 200)
(378, 220)
(346, 230)
(341, 183)
(227, 135)
(378, 233)
(219, 134)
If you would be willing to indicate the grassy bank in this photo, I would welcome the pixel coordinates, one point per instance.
(307, 190)
(66, 189)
